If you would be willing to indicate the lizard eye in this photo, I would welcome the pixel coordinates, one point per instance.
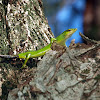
(68, 30)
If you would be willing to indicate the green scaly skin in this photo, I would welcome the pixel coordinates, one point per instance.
(61, 39)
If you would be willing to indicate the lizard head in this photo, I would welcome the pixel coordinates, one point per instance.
(61, 39)
(68, 33)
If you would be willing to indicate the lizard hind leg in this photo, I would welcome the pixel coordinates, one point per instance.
(26, 59)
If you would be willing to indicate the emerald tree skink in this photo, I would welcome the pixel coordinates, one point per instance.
(61, 39)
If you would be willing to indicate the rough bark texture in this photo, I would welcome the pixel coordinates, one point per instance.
(72, 75)
(65, 77)
(23, 27)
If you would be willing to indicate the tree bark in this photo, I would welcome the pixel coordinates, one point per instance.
(23, 27)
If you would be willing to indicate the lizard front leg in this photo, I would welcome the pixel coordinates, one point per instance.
(26, 59)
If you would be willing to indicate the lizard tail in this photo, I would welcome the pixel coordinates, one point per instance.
(8, 56)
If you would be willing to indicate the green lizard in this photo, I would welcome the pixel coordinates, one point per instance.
(61, 39)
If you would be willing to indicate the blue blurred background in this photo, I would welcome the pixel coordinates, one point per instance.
(66, 14)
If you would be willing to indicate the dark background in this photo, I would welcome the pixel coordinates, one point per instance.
(81, 14)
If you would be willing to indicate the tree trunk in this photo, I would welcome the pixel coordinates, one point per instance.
(23, 27)
(71, 75)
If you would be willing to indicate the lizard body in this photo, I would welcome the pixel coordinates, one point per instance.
(61, 39)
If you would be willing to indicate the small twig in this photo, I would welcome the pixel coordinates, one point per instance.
(89, 40)
(95, 47)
